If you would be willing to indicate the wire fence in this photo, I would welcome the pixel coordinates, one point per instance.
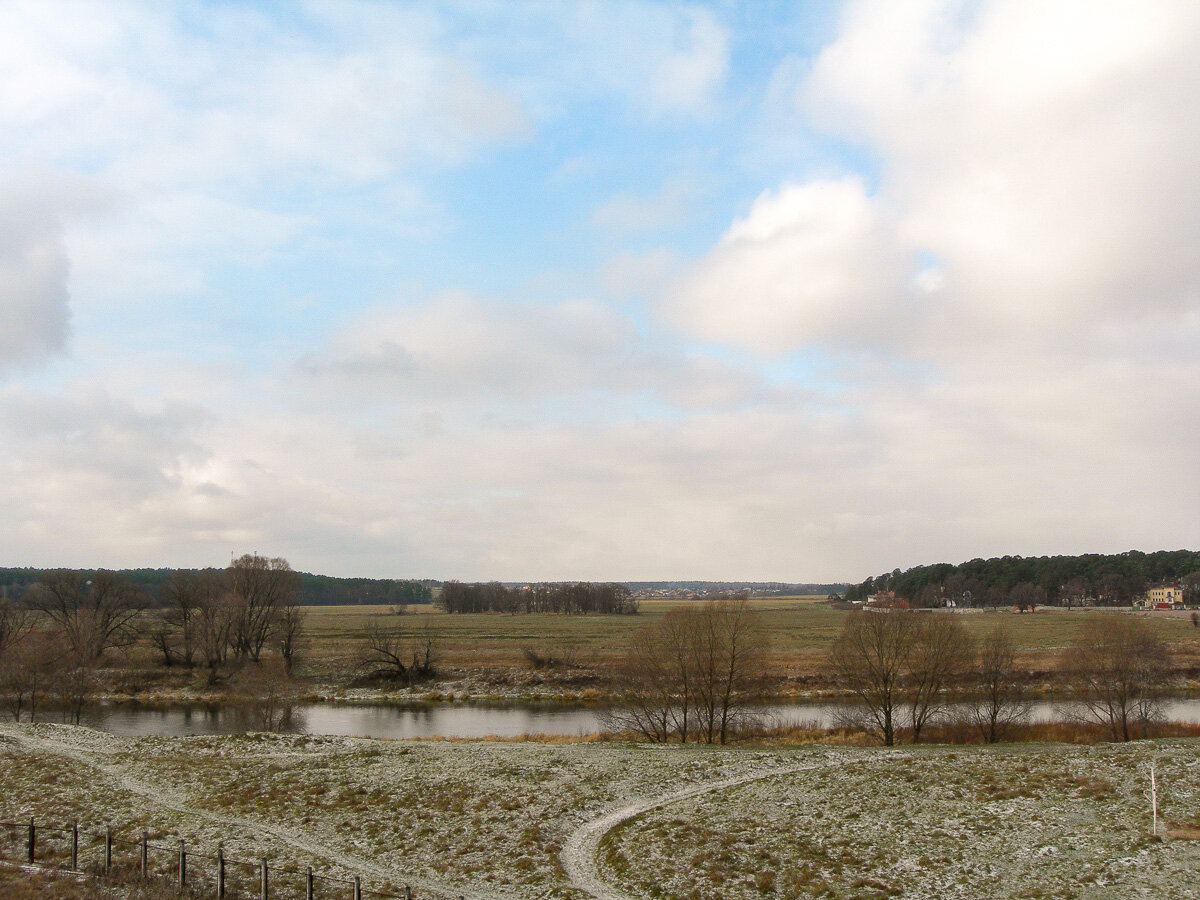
(176, 865)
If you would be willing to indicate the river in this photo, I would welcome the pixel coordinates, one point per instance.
(457, 720)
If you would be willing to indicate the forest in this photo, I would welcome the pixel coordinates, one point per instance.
(572, 599)
(315, 590)
(1095, 578)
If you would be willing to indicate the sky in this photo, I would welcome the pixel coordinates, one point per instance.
(795, 291)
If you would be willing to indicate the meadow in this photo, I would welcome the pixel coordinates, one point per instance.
(800, 631)
(535, 820)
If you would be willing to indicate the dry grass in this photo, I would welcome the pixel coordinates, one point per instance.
(489, 655)
(801, 632)
(1067, 820)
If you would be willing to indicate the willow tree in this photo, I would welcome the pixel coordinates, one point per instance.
(1119, 664)
(260, 589)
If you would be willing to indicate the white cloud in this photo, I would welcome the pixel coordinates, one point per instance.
(1041, 151)
(984, 345)
(346, 92)
(807, 264)
(686, 79)
(34, 264)
(1041, 154)
(664, 209)
(667, 62)
(639, 274)
(463, 352)
(1022, 263)
(33, 290)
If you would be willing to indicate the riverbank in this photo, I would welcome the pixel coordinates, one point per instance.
(151, 687)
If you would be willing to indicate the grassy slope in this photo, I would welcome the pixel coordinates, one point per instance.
(1012, 821)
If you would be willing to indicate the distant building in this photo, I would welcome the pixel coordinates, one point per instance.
(1162, 596)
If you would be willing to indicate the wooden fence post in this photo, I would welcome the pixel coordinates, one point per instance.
(265, 883)
(75, 846)
(407, 892)
(220, 873)
(107, 848)
(182, 866)
(308, 885)
(32, 839)
(145, 854)
(357, 888)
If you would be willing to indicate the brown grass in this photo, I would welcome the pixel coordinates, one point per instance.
(36, 883)
(801, 632)
(1036, 732)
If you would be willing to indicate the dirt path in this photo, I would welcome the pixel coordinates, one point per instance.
(579, 854)
(296, 839)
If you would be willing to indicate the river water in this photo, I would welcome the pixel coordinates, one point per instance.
(458, 720)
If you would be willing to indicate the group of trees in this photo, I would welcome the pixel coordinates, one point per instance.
(908, 669)
(212, 615)
(1111, 580)
(691, 675)
(315, 590)
(55, 637)
(51, 643)
(243, 625)
(572, 599)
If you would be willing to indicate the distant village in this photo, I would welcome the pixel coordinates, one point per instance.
(1166, 596)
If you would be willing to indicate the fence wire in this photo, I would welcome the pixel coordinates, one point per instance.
(177, 865)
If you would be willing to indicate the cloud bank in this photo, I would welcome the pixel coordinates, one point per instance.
(397, 291)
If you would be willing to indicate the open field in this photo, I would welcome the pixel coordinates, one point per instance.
(801, 632)
(526, 820)
(489, 656)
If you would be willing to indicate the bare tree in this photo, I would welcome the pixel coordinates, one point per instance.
(260, 588)
(73, 681)
(901, 667)
(656, 680)
(213, 620)
(269, 696)
(1118, 665)
(183, 595)
(1027, 595)
(939, 657)
(996, 701)
(692, 674)
(391, 654)
(290, 629)
(14, 625)
(92, 614)
(26, 672)
(871, 658)
(728, 648)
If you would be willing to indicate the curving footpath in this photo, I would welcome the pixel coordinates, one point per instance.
(288, 836)
(580, 853)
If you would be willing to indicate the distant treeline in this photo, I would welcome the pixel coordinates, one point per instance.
(1109, 579)
(733, 587)
(324, 590)
(571, 599)
(315, 590)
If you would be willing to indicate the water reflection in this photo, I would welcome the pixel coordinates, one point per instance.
(460, 720)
